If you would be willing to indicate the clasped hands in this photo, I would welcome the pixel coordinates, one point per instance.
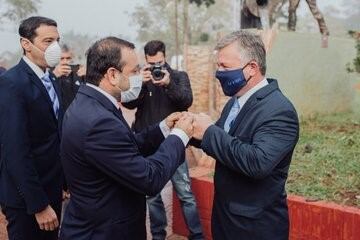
(194, 125)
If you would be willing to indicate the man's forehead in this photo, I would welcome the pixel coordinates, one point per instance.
(45, 31)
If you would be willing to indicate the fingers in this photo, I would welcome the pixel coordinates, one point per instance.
(47, 219)
(147, 76)
(50, 225)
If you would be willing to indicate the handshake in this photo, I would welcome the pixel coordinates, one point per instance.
(194, 125)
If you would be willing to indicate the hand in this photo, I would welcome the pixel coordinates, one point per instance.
(146, 73)
(47, 219)
(185, 123)
(164, 81)
(172, 119)
(62, 70)
(201, 123)
(65, 195)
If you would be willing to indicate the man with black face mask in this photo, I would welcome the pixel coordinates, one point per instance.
(252, 143)
(163, 92)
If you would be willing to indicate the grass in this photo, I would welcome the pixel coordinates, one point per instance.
(326, 162)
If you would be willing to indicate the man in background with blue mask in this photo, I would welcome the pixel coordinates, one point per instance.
(252, 143)
(31, 178)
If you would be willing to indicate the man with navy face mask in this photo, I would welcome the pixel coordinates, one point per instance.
(31, 178)
(252, 143)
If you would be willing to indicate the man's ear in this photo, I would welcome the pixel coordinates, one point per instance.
(253, 68)
(110, 75)
(25, 44)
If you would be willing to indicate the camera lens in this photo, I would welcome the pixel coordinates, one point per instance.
(156, 72)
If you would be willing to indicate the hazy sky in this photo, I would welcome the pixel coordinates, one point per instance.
(97, 17)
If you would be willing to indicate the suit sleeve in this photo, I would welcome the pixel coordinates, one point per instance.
(272, 141)
(19, 163)
(149, 139)
(115, 153)
(179, 90)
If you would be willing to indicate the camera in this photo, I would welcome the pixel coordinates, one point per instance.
(74, 67)
(156, 71)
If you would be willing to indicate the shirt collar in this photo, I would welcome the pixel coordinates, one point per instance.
(111, 98)
(37, 70)
(243, 99)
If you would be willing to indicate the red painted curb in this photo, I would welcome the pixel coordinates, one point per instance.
(308, 220)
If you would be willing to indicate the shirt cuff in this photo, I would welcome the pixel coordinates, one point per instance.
(181, 134)
(164, 128)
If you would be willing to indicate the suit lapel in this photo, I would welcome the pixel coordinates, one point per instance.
(37, 81)
(91, 92)
(252, 101)
(248, 105)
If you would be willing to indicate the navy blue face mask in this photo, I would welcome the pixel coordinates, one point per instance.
(232, 81)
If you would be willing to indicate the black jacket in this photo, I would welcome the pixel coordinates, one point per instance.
(30, 170)
(156, 103)
(252, 163)
(69, 85)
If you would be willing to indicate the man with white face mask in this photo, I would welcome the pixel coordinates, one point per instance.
(108, 168)
(31, 178)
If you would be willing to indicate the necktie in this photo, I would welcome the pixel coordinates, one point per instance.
(52, 93)
(234, 111)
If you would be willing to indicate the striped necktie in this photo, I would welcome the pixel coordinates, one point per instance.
(234, 111)
(52, 93)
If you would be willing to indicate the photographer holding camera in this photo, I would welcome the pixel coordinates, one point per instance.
(68, 75)
(163, 92)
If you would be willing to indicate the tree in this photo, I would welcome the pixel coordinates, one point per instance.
(156, 20)
(15, 10)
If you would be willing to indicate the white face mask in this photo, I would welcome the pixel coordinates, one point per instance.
(53, 54)
(135, 88)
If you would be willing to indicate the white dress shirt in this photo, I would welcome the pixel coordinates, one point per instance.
(37, 70)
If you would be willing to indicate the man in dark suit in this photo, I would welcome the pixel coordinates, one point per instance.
(109, 170)
(31, 178)
(252, 142)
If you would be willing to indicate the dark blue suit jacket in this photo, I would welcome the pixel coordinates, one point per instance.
(252, 163)
(30, 169)
(106, 171)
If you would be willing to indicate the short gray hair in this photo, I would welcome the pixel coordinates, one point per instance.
(251, 47)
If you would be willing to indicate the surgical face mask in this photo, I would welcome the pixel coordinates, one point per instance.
(232, 81)
(52, 54)
(133, 92)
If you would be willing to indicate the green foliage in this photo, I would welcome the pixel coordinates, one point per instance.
(204, 37)
(355, 66)
(326, 164)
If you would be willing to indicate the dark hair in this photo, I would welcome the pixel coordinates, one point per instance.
(153, 47)
(27, 28)
(102, 55)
